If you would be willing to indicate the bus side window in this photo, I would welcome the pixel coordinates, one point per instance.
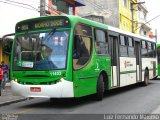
(123, 46)
(101, 42)
(154, 49)
(150, 50)
(131, 50)
(144, 50)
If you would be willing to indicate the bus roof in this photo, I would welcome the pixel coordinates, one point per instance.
(76, 19)
(130, 34)
(87, 21)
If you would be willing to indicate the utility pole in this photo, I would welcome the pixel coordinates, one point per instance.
(156, 35)
(42, 7)
(132, 12)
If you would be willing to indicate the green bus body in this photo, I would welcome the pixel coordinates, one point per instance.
(85, 79)
(83, 74)
(158, 56)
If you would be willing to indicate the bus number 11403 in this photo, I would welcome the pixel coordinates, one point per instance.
(55, 73)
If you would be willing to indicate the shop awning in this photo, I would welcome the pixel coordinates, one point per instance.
(79, 3)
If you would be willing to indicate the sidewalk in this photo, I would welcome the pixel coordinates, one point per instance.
(7, 98)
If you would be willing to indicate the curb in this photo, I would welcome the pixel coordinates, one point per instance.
(13, 101)
(8, 85)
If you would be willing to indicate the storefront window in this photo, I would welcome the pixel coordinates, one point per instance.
(62, 6)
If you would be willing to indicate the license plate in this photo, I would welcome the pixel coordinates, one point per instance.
(35, 89)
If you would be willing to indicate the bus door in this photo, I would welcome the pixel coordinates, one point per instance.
(114, 61)
(83, 72)
(138, 60)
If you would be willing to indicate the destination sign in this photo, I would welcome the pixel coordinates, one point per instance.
(43, 23)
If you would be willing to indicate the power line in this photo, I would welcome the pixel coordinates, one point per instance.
(22, 4)
(148, 21)
(33, 1)
(18, 5)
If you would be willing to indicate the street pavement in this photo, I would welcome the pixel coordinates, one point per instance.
(7, 98)
(133, 97)
(133, 100)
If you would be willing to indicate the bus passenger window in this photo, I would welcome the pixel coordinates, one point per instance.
(154, 49)
(131, 50)
(144, 50)
(101, 42)
(123, 46)
(150, 50)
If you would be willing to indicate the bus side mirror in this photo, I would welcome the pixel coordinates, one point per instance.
(7, 41)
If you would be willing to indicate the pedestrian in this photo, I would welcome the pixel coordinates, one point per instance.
(1, 78)
(5, 74)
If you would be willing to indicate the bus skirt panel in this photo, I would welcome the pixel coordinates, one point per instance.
(62, 89)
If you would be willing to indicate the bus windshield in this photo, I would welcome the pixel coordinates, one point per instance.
(41, 51)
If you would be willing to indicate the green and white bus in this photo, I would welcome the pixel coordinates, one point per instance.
(69, 56)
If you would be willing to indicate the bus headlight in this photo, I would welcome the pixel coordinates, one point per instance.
(15, 80)
(61, 79)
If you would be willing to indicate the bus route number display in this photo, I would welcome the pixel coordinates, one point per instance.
(42, 24)
(47, 24)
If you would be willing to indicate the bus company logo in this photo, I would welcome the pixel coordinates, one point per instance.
(97, 67)
(127, 64)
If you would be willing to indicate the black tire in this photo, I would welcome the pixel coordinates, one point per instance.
(146, 78)
(51, 99)
(100, 88)
(54, 99)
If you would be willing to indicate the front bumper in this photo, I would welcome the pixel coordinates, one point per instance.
(62, 89)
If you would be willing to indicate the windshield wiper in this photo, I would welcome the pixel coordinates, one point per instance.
(50, 34)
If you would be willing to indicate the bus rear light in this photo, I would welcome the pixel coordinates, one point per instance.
(35, 89)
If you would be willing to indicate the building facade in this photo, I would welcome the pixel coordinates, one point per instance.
(60, 7)
(128, 15)
(5, 49)
(122, 14)
(143, 28)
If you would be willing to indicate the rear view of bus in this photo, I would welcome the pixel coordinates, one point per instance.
(39, 58)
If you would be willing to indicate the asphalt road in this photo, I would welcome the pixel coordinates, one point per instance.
(133, 99)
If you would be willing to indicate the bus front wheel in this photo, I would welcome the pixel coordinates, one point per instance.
(100, 88)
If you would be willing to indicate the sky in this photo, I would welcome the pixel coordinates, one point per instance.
(153, 11)
(11, 14)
